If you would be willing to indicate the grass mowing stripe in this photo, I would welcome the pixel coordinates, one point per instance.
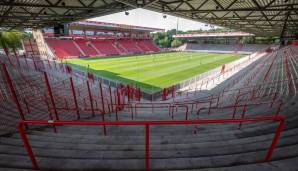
(177, 68)
(143, 64)
(182, 75)
(130, 69)
(155, 71)
(161, 66)
(139, 62)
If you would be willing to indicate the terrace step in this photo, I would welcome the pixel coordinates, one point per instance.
(156, 164)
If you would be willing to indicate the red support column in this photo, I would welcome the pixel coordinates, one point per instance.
(128, 93)
(147, 147)
(51, 95)
(118, 98)
(17, 57)
(26, 60)
(103, 109)
(13, 92)
(111, 98)
(275, 139)
(140, 93)
(35, 67)
(27, 106)
(242, 115)
(116, 104)
(90, 98)
(27, 146)
(50, 113)
(102, 99)
(74, 97)
(173, 91)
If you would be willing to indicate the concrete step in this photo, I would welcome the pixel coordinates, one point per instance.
(288, 164)
(137, 151)
(156, 164)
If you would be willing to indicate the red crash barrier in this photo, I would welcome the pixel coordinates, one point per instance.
(147, 125)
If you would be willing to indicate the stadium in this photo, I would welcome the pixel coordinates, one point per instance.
(78, 94)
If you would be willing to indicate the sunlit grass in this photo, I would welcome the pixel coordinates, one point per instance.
(154, 71)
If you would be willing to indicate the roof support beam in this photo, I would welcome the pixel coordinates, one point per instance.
(285, 25)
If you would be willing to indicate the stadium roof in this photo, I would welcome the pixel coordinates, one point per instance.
(111, 26)
(42, 13)
(260, 17)
(203, 35)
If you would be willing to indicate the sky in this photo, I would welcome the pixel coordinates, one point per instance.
(146, 18)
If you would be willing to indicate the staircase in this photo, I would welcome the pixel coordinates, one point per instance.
(194, 147)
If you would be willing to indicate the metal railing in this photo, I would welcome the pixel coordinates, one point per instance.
(147, 125)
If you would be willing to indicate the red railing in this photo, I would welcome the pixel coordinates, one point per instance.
(244, 108)
(147, 125)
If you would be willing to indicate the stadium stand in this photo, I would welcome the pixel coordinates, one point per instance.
(101, 39)
(86, 47)
(220, 48)
(256, 93)
(106, 47)
(77, 48)
(62, 48)
(150, 45)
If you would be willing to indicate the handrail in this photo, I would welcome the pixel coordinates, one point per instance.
(147, 124)
(133, 108)
(244, 106)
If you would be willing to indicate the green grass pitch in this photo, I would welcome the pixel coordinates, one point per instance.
(152, 72)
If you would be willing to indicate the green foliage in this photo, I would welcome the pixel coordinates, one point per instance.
(11, 39)
(176, 43)
(165, 39)
(248, 39)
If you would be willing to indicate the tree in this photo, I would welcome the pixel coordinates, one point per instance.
(3, 43)
(176, 43)
(164, 43)
(11, 39)
(248, 39)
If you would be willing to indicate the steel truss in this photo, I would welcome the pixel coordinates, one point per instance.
(261, 17)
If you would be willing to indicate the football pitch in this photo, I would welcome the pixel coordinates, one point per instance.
(152, 72)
